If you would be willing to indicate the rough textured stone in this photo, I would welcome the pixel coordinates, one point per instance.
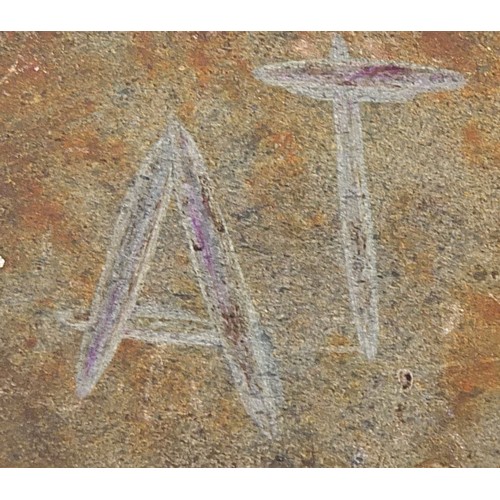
(79, 113)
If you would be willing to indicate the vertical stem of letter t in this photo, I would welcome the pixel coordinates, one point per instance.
(356, 222)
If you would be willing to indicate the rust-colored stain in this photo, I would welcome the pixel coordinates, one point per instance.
(449, 46)
(407, 239)
(473, 362)
(148, 52)
(283, 161)
(307, 46)
(316, 220)
(470, 377)
(480, 146)
(275, 180)
(37, 213)
(53, 371)
(461, 51)
(31, 342)
(200, 59)
(30, 213)
(87, 145)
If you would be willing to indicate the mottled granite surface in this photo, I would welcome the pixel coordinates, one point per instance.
(80, 112)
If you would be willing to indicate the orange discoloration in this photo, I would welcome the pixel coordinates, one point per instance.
(129, 347)
(182, 259)
(337, 340)
(244, 66)
(87, 145)
(306, 46)
(186, 111)
(84, 286)
(473, 360)
(147, 52)
(25, 71)
(46, 303)
(461, 51)
(339, 346)
(450, 47)
(53, 370)
(421, 266)
(286, 145)
(9, 35)
(32, 214)
(282, 161)
(316, 220)
(276, 181)
(487, 310)
(471, 133)
(285, 162)
(36, 212)
(201, 62)
(479, 147)
(130, 359)
(300, 222)
(31, 342)
(115, 149)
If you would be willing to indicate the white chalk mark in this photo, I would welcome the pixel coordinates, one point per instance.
(360, 80)
(339, 51)
(494, 298)
(131, 247)
(346, 83)
(453, 319)
(164, 330)
(206, 338)
(234, 325)
(356, 224)
(355, 215)
(2, 262)
(68, 318)
(158, 312)
(245, 344)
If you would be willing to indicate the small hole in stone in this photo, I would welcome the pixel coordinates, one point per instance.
(405, 378)
(196, 247)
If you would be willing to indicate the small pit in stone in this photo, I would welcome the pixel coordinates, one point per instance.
(405, 378)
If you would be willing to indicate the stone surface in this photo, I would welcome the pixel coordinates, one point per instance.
(80, 112)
